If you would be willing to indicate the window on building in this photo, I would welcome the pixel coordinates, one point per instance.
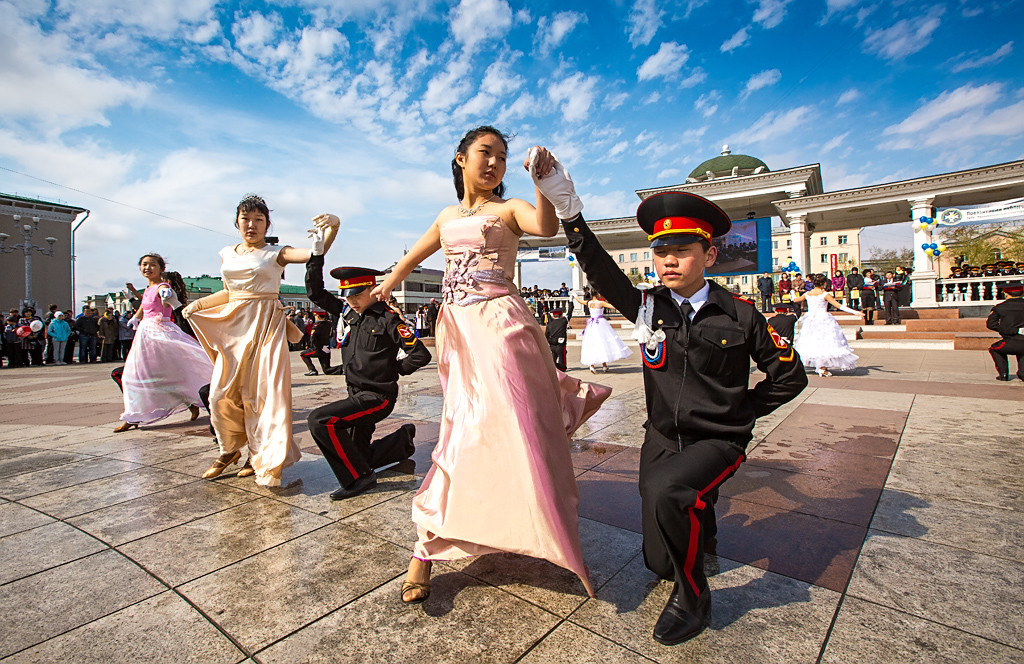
(414, 286)
(729, 280)
(622, 258)
(824, 258)
(432, 288)
(775, 260)
(744, 280)
(824, 241)
(844, 239)
(844, 257)
(775, 244)
(647, 255)
(632, 257)
(789, 244)
(634, 271)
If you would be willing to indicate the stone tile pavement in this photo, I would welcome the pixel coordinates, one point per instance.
(877, 519)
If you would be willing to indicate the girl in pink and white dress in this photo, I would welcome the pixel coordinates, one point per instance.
(166, 367)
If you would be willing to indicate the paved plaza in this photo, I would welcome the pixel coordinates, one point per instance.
(877, 519)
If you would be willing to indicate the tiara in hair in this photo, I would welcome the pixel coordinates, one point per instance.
(253, 198)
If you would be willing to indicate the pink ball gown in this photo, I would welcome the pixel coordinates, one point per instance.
(502, 476)
(165, 368)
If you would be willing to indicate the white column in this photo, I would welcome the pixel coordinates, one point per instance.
(798, 234)
(922, 281)
(518, 278)
(578, 280)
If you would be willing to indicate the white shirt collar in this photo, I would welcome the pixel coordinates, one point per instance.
(696, 300)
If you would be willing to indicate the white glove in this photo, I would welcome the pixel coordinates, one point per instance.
(849, 310)
(318, 235)
(557, 186)
(133, 323)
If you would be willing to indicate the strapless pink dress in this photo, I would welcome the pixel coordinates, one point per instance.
(502, 476)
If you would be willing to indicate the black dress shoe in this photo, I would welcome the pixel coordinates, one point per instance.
(360, 485)
(311, 373)
(1002, 377)
(410, 446)
(679, 622)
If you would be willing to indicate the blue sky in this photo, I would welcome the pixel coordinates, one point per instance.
(355, 107)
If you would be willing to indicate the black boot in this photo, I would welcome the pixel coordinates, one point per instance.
(360, 485)
(682, 618)
(1003, 377)
(410, 447)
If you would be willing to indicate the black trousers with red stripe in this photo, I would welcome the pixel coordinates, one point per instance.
(676, 491)
(1002, 349)
(558, 355)
(343, 431)
(319, 354)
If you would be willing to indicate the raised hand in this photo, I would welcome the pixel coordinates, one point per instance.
(553, 182)
(319, 235)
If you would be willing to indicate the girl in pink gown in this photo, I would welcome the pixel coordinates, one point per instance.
(502, 476)
(166, 367)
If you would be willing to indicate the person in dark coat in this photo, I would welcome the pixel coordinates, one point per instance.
(1007, 318)
(343, 430)
(320, 345)
(891, 288)
(783, 322)
(697, 342)
(854, 282)
(766, 287)
(556, 331)
(432, 315)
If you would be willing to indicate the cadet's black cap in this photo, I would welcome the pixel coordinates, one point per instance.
(353, 280)
(1013, 289)
(557, 312)
(781, 308)
(676, 217)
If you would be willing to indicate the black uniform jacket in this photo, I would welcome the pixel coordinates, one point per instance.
(1007, 317)
(696, 380)
(370, 350)
(784, 324)
(556, 331)
(321, 336)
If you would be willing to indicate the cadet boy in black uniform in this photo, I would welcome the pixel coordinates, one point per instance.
(343, 429)
(1007, 318)
(556, 331)
(783, 322)
(698, 343)
(320, 345)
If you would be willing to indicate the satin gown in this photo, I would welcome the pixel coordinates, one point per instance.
(251, 389)
(600, 343)
(165, 368)
(502, 476)
(820, 341)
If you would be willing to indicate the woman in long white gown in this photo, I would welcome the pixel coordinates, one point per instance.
(600, 343)
(820, 341)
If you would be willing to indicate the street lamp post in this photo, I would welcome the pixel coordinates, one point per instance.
(27, 231)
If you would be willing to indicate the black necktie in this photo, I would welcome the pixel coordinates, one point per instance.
(687, 310)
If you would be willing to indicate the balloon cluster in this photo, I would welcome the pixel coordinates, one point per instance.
(924, 223)
(933, 249)
(792, 267)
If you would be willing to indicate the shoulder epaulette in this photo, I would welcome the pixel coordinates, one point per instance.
(743, 299)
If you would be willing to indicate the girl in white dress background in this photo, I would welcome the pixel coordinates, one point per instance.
(820, 341)
(600, 343)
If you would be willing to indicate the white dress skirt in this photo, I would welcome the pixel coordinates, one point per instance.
(600, 343)
(820, 341)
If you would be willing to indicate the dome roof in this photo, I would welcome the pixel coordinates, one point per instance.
(726, 162)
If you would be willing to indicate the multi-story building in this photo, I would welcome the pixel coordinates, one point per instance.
(843, 244)
(419, 287)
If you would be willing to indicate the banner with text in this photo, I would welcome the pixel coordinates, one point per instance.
(988, 213)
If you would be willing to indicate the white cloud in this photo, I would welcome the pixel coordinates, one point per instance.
(769, 13)
(739, 39)
(644, 21)
(57, 88)
(205, 33)
(447, 88)
(1007, 121)
(652, 98)
(614, 100)
(476, 21)
(974, 63)
(707, 104)
(575, 94)
(499, 81)
(666, 63)
(773, 125)
(834, 143)
(551, 32)
(612, 205)
(761, 80)
(666, 174)
(848, 96)
(694, 135)
(524, 105)
(696, 77)
(618, 148)
(159, 18)
(904, 38)
(948, 103)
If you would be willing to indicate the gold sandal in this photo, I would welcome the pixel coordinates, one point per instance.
(125, 426)
(409, 585)
(247, 470)
(218, 466)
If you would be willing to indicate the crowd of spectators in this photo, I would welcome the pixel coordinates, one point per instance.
(849, 289)
(31, 340)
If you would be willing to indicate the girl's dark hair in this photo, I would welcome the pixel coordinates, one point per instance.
(467, 140)
(820, 281)
(177, 285)
(253, 203)
(159, 259)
